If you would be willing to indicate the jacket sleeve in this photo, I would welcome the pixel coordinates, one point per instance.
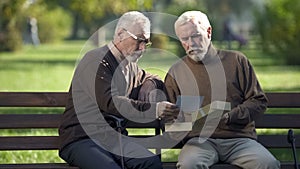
(254, 101)
(110, 87)
(171, 88)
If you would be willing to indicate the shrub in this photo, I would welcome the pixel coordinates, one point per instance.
(279, 29)
(54, 25)
(159, 41)
(10, 35)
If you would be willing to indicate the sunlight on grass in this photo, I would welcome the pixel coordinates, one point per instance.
(170, 155)
(43, 68)
(134, 132)
(30, 156)
(280, 79)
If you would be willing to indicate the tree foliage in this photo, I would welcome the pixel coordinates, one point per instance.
(10, 34)
(90, 15)
(279, 27)
(57, 17)
(54, 23)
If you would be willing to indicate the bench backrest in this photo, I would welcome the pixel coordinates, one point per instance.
(58, 99)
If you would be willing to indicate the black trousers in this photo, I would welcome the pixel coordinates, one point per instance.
(86, 154)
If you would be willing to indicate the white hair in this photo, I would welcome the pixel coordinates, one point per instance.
(133, 19)
(197, 17)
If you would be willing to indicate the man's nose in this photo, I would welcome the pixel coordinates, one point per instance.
(191, 42)
(142, 46)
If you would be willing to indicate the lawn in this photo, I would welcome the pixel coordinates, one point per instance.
(49, 67)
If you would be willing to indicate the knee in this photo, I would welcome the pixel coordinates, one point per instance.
(270, 163)
(153, 163)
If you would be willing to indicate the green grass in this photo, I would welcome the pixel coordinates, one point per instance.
(42, 68)
(49, 67)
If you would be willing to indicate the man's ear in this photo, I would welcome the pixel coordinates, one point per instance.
(209, 31)
(120, 34)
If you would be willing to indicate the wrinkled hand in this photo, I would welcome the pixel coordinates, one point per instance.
(167, 111)
(145, 90)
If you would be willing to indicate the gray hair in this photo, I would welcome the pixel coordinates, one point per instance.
(132, 19)
(197, 17)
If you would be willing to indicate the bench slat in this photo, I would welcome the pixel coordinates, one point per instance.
(58, 99)
(277, 141)
(29, 143)
(283, 100)
(14, 121)
(22, 121)
(37, 165)
(33, 99)
(279, 121)
(52, 142)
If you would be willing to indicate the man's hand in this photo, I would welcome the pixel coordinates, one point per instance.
(167, 111)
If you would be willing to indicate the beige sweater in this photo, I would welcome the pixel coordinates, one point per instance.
(224, 76)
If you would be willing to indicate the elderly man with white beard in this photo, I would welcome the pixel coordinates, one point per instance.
(213, 73)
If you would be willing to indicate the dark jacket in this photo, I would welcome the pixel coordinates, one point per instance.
(99, 88)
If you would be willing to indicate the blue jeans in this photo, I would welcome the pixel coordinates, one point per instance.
(86, 154)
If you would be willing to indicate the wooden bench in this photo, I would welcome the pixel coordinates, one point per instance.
(26, 120)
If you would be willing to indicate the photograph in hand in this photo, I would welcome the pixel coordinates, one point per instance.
(191, 111)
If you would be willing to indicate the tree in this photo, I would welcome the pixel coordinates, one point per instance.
(91, 14)
(10, 34)
(279, 28)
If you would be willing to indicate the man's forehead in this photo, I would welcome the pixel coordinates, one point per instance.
(190, 28)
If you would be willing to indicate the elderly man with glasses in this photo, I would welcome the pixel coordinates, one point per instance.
(106, 85)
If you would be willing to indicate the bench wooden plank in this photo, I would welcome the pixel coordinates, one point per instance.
(277, 141)
(283, 100)
(14, 121)
(58, 99)
(279, 121)
(19, 121)
(52, 142)
(29, 142)
(37, 166)
(33, 99)
(23, 121)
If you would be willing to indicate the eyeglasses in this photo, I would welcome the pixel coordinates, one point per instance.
(147, 42)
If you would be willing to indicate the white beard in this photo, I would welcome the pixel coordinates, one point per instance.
(197, 57)
(134, 57)
(196, 54)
